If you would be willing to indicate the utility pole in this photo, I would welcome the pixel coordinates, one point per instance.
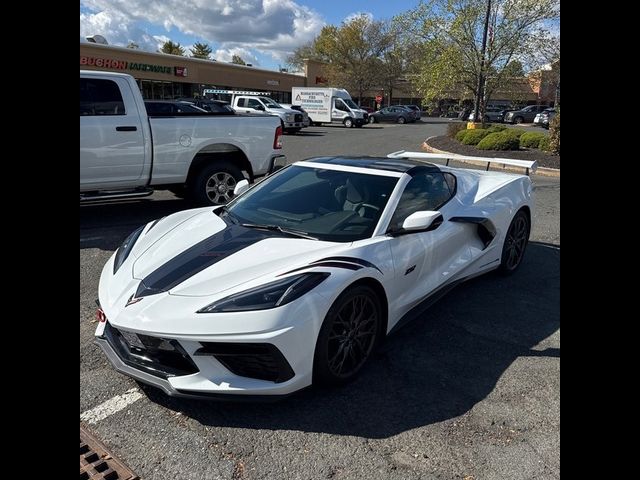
(480, 89)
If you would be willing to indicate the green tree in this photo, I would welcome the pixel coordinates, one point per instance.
(172, 48)
(201, 50)
(450, 34)
(237, 60)
(353, 52)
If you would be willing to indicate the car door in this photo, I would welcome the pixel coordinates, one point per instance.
(425, 261)
(112, 149)
(385, 114)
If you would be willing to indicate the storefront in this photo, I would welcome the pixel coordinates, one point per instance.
(162, 76)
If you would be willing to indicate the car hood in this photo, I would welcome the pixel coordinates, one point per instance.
(204, 255)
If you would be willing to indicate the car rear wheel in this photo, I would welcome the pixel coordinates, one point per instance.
(402, 120)
(214, 185)
(348, 336)
(515, 243)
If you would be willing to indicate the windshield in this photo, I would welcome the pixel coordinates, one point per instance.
(270, 103)
(329, 205)
(351, 103)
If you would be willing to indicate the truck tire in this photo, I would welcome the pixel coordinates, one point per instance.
(348, 122)
(214, 184)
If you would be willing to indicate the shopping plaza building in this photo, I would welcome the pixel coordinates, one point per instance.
(163, 76)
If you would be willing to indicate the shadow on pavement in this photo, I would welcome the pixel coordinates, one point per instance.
(436, 368)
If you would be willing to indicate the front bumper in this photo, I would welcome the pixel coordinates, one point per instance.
(360, 121)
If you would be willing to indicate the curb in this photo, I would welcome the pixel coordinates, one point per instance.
(544, 171)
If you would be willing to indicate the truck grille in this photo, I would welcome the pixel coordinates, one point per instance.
(298, 117)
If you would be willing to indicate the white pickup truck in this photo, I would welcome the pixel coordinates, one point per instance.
(292, 120)
(126, 153)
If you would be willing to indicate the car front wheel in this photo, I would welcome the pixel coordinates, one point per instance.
(402, 120)
(518, 120)
(372, 119)
(348, 336)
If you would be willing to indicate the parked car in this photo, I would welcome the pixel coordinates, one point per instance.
(491, 114)
(542, 119)
(305, 115)
(167, 107)
(416, 109)
(210, 105)
(524, 115)
(126, 152)
(394, 114)
(302, 276)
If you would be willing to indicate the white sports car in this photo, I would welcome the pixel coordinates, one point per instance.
(298, 278)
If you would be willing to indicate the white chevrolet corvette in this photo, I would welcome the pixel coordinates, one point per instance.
(298, 278)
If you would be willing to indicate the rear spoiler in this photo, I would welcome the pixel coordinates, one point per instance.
(533, 166)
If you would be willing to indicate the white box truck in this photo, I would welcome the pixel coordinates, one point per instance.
(329, 105)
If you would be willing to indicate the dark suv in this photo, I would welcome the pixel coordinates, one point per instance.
(525, 115)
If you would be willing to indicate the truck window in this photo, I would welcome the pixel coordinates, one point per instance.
(341, 106)
(100, 97)
(241, 102)
(253, 103)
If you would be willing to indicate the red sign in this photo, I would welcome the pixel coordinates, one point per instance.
(378, 98)
(180, 71)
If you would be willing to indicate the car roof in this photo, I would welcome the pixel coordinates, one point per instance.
(378, 163)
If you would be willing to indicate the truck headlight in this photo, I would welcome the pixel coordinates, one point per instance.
(125, 248)
(289, 117)
(271, 295)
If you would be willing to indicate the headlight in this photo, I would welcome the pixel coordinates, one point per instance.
(289, 117)
(125, 248)
(271, 295)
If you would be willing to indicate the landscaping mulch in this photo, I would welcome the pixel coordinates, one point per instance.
(451, 145)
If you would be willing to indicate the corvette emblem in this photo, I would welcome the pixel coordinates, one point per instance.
(133, 299)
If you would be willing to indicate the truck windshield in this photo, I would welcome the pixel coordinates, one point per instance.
(351, 103)
(269, 103)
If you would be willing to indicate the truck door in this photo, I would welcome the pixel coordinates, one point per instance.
(112, 149)
(339, 110)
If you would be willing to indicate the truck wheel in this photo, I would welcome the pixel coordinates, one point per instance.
(215, 183)
(348, 122)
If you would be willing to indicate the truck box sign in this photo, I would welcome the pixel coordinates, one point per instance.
(316, 103)
(130, 66)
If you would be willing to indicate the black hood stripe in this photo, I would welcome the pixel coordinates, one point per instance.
(350, 263)
(201, 256)
(358, 261)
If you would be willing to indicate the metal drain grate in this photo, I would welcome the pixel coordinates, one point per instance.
(96, 463)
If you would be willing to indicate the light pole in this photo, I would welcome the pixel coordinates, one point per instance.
(480, 89)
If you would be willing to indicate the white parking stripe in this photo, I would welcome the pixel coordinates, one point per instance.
(111, 406)
(89, 239)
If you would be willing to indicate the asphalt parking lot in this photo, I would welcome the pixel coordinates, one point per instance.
(470, 390)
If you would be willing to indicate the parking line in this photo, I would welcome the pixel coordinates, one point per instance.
(111, 406)
(89, 239)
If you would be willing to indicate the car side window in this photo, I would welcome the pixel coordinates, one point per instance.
(427, 191)
(100, 97)
(253, 103)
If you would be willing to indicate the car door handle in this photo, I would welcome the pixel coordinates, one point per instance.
(126, 129)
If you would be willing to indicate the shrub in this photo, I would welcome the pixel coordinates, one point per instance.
(531, 139)
(544, 144)
(461, 134)
(554, 135)
(514, 132)
(499, 141)
(454, 128)
(496, 128)
(474, 136)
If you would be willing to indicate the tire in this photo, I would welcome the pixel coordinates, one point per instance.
(372, 119)
(214, 184)
(515, 243)
(402, 120)
(348, 122)
(518, 120)
(330, 366)
(486, 119)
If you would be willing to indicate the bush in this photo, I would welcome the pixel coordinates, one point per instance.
(531, 139)
(454, 128)
(496, 128)
(544, 144)
(554, 135)
(514, 132)
(499, 141)
(461, 134)
(474, 136)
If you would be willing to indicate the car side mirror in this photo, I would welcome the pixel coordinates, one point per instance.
(423, 221)
(241, 187)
